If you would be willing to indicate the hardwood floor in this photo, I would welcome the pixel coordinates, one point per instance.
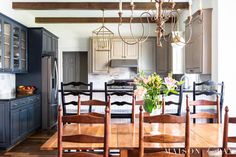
(31, 147)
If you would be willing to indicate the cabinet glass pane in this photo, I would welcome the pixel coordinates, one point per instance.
(7, 45)
(23, 50)
(0, 44)
(16, 47)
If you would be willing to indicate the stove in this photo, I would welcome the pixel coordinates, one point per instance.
(121, 84)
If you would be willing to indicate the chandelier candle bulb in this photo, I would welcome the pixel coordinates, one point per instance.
(200, 4)
(190, 8)
(131, 3)
(120, 6)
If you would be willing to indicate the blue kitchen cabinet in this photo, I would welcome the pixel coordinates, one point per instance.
(13, 46)
(4, 124)
(15, 126)
(19, 118)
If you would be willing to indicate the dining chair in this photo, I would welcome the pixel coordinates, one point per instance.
(226, 139)
(72, 89)
(83, 138)
(205, 103)
(164, 138)
(175, 104)
(208, 88)
(123, 96)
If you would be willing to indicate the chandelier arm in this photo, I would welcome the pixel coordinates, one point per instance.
(190, 31)
(142, 38)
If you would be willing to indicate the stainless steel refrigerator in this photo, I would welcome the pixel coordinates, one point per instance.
(49, 91)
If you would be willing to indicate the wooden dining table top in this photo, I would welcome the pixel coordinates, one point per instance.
(126, 136)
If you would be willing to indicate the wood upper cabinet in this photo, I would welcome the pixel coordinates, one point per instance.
(163, 58)
(100, 59)
(147, 56)
(198, 51)
(121, 50)
(117, 50)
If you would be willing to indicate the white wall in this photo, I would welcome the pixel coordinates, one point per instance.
(227, 52)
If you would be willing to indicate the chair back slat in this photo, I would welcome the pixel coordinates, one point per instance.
(83, 118)
(120, 93)
(164, 138)
(204, 115)
(82, 154)
(166, 118)
(121, 103)
(82, 139)
(71, 103)
(232, 120)
(139, 102)
(232, 139)
(203, 103)
(95, 103)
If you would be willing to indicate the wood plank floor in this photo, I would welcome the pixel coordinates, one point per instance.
(30, 147)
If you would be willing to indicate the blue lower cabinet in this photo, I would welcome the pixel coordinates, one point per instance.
(15, 126)
(4, 125)
(19, 118)
(23, 121)
(30, 118)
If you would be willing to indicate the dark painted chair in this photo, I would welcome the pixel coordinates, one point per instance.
(121, 93)
(210, 88)
(171, 102)
(65, 93)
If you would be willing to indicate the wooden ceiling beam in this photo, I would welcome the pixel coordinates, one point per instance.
(91, 5)
(48, 20)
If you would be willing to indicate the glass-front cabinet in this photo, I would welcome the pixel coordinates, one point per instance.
(7, 46)
(23, 51)
(16, 48)
(13, 46)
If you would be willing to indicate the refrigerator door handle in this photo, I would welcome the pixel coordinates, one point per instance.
(56, 79)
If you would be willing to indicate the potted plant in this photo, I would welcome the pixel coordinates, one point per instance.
(152, 87)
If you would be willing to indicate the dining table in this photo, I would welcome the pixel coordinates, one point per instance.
(125, 137)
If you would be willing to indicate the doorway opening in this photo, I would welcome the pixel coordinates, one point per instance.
(75, 66)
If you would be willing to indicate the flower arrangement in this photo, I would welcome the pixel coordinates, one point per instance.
(152, 87)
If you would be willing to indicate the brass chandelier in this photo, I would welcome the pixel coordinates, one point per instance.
(160, 16)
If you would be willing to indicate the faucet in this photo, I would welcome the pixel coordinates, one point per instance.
(185, 78)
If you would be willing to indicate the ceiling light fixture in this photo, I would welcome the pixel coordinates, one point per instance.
(103, 36)
(161, 16)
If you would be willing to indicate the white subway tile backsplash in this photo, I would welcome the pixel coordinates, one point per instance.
(7, 83)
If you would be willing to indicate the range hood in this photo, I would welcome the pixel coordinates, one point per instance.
(124, 63)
